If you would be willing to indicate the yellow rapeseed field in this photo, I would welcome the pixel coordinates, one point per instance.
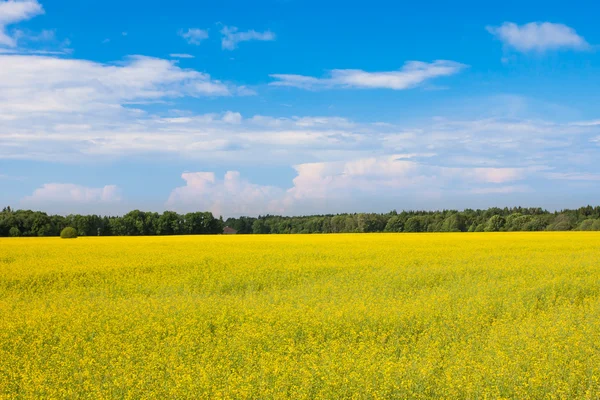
(367, 316)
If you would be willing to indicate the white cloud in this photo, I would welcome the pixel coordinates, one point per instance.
(390, 174)
(97, 126)
(412, 74)
(37, 52)
(75, 110)
(41, 84)
(232, 118)
(181, 55)
(194, 35)
(587, 123)
(337, 186)
(232, 37)
(53, 194)
(538, 37)
(12, 12)
(229, 196)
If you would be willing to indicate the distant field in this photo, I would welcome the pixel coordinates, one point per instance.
(508, 315)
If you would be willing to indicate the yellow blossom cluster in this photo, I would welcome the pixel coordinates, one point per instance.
(349, 316)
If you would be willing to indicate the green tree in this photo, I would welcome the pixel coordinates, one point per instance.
(413, 224)
(588, 225)
(562, 222)
(370, 223)
(170, 223)
(454, 223)
(495, 224)
(260, 227)
(536, 223)
(68, 233)
(394, 224)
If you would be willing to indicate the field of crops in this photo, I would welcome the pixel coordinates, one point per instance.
(513, 315)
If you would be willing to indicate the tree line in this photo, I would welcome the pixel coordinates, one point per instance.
(138, 223)
(489, 220)
(134, 223)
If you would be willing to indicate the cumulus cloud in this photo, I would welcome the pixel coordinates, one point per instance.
(12, 12)
(58, 194)
(412, 74)
(230, 196)
(538, 37)
(194, 35)
(335, 186)
(232, 37)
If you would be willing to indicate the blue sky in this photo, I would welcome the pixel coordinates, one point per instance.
(297, 107)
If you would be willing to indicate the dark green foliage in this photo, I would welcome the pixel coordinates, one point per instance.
(414, 225)
(495, 224)
(68, 233)
(371, 222)
(536, 223)
(395, 224)
(562, 222)
(260, 227)
(589, 225)
(454, 223)
(134, 223)
(34, 223)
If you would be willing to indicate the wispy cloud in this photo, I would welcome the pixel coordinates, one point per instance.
(232, 37)
(501, 189)
(38, 52)
(538, 37)
(180, 55)
(12, 12)
(194, 35)
(574, 176)
(46, 35)
(412, 74)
